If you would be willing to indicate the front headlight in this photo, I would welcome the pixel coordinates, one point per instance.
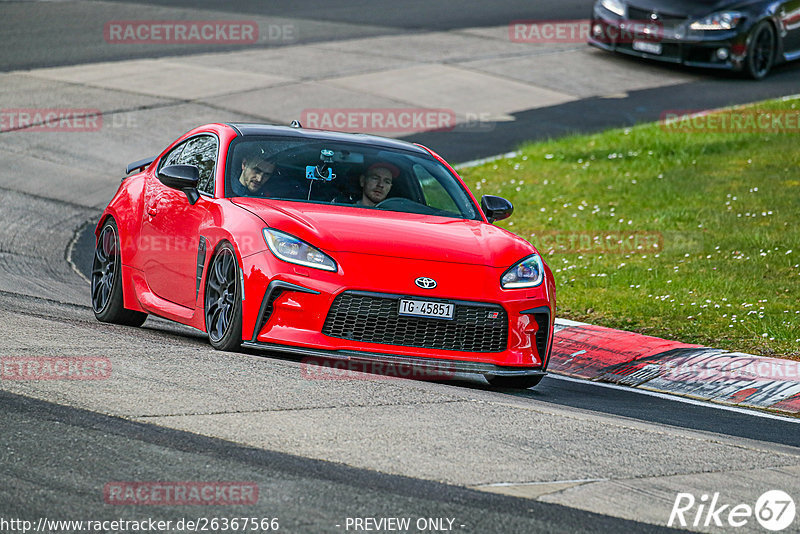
(527, 273)
(726, 20)
(289, 248)
(615, 6)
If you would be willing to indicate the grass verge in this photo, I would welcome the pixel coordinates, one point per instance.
(688, 230)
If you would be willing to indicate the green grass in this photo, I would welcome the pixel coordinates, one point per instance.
(722, 209)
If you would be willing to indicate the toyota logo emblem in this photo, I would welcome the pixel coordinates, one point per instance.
(425, 283)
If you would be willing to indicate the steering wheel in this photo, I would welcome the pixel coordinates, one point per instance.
(394, 202)
(406, 205)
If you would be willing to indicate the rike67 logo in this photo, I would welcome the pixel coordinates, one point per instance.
(774, 510)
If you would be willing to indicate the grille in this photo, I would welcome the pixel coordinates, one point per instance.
(643, 15)
(374, 319)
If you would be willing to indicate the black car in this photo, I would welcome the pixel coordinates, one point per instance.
(742, 35)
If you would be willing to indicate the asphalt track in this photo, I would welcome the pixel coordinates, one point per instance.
(304, 495)
(66, 33)
(56, 456)
(70, 33)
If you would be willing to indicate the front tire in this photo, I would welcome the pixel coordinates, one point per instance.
(514, 382)
(222, 303)
(760, 51)
(107, 299)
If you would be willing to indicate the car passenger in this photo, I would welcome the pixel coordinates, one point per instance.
(376, 183)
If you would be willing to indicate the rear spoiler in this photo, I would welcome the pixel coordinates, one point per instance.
(141, 165)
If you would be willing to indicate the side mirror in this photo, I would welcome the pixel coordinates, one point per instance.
(183, 178)
(496, 208)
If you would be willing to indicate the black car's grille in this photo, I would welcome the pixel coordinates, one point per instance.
(372, 318)
(664, 19)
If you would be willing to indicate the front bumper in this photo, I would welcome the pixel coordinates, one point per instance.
(420, 367)
(290, 313)
(677, 43)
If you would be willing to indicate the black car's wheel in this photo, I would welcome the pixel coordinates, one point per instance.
(223, 306)
(107, 301)
(515, 382)
(760, 51)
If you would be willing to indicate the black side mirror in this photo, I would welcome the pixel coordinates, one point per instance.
(183, 178)
(496, 208)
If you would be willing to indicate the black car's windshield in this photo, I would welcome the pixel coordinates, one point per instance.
(347, 174)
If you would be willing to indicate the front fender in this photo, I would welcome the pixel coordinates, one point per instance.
(126, 207)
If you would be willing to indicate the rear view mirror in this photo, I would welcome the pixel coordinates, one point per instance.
(183, 178)
(496, 208)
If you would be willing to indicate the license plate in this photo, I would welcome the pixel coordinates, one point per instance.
(645, 46)
(426, 308)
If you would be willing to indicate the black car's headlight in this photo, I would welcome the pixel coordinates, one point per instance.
(615, 6)
(294, 250)
(526, 273)
(724, 20)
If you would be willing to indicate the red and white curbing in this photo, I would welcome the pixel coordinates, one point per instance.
(602, 354)
(606, 355)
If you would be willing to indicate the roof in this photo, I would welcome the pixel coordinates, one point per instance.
(246, 129)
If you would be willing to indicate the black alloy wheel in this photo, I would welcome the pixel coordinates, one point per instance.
(760, 51)
(107, 300)
(222, 303)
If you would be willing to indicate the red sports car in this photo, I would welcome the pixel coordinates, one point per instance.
(324, 244)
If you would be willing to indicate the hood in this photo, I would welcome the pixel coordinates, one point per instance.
(688, 8)
(392, 234)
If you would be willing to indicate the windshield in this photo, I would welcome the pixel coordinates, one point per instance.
(346, 174)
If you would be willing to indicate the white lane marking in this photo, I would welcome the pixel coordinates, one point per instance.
(677, 398)
(568, 322)
(476, 162)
